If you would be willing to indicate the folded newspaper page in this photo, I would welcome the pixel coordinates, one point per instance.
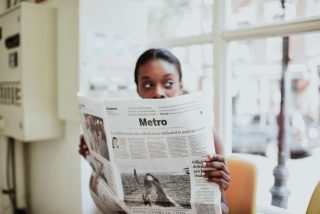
(147, 154)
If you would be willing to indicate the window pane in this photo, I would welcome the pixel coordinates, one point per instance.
(196, 62)
(256, 97)
(179, 18)
(197, 67)
(305, 97)
(256, 70)
(246, 13)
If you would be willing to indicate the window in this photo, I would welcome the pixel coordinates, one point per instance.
(243, 38)
(249, 13)
(255, 94)
(305, 98)
(197, 63)
(256, 74)
(179, 18)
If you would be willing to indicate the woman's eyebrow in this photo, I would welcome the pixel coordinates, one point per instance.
(168, 75)
(145, 78)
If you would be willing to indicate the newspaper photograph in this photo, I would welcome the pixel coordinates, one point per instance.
(158, 184)
(94, 132)
(149, 152)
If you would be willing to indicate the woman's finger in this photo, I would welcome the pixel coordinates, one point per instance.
(217, 174)
(224, 185)
(216, 157)
(216, 165)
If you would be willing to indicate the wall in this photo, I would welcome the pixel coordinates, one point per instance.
(2, 5)
(4, 201)
(53, 172)
(55, 165)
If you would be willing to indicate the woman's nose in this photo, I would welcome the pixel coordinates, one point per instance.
(158, 93)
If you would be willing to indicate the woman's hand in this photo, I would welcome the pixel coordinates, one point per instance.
(219, 172)
(83, 148)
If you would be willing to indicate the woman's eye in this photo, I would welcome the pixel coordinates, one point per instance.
(169, 84)
(147, 85)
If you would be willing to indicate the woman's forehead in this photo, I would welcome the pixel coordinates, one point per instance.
(157, 67)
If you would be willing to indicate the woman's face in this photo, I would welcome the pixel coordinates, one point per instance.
(158, 79)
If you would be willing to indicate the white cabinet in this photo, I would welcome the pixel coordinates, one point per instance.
(28, 73)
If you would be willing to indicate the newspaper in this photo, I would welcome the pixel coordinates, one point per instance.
(147, 154)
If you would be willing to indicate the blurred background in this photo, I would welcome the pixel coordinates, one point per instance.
(232, 49)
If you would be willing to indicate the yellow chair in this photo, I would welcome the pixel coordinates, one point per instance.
(241, 194)
(314, 203)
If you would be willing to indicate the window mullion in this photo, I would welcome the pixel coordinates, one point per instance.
(182, 41)
(222, 100)
(281, 29)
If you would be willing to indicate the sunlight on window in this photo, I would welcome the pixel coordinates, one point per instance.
(197, 65)
(256, 74)
(248, 13)
(179, 18)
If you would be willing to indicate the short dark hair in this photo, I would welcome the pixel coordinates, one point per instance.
(157, 53)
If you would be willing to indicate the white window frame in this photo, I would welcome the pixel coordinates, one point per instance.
(220, 37)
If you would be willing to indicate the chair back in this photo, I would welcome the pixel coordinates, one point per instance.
(241, 194)
(314, 203)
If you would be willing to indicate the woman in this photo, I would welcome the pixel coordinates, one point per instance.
(158, 75)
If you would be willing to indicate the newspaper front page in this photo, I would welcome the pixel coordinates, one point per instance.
(147, 154)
